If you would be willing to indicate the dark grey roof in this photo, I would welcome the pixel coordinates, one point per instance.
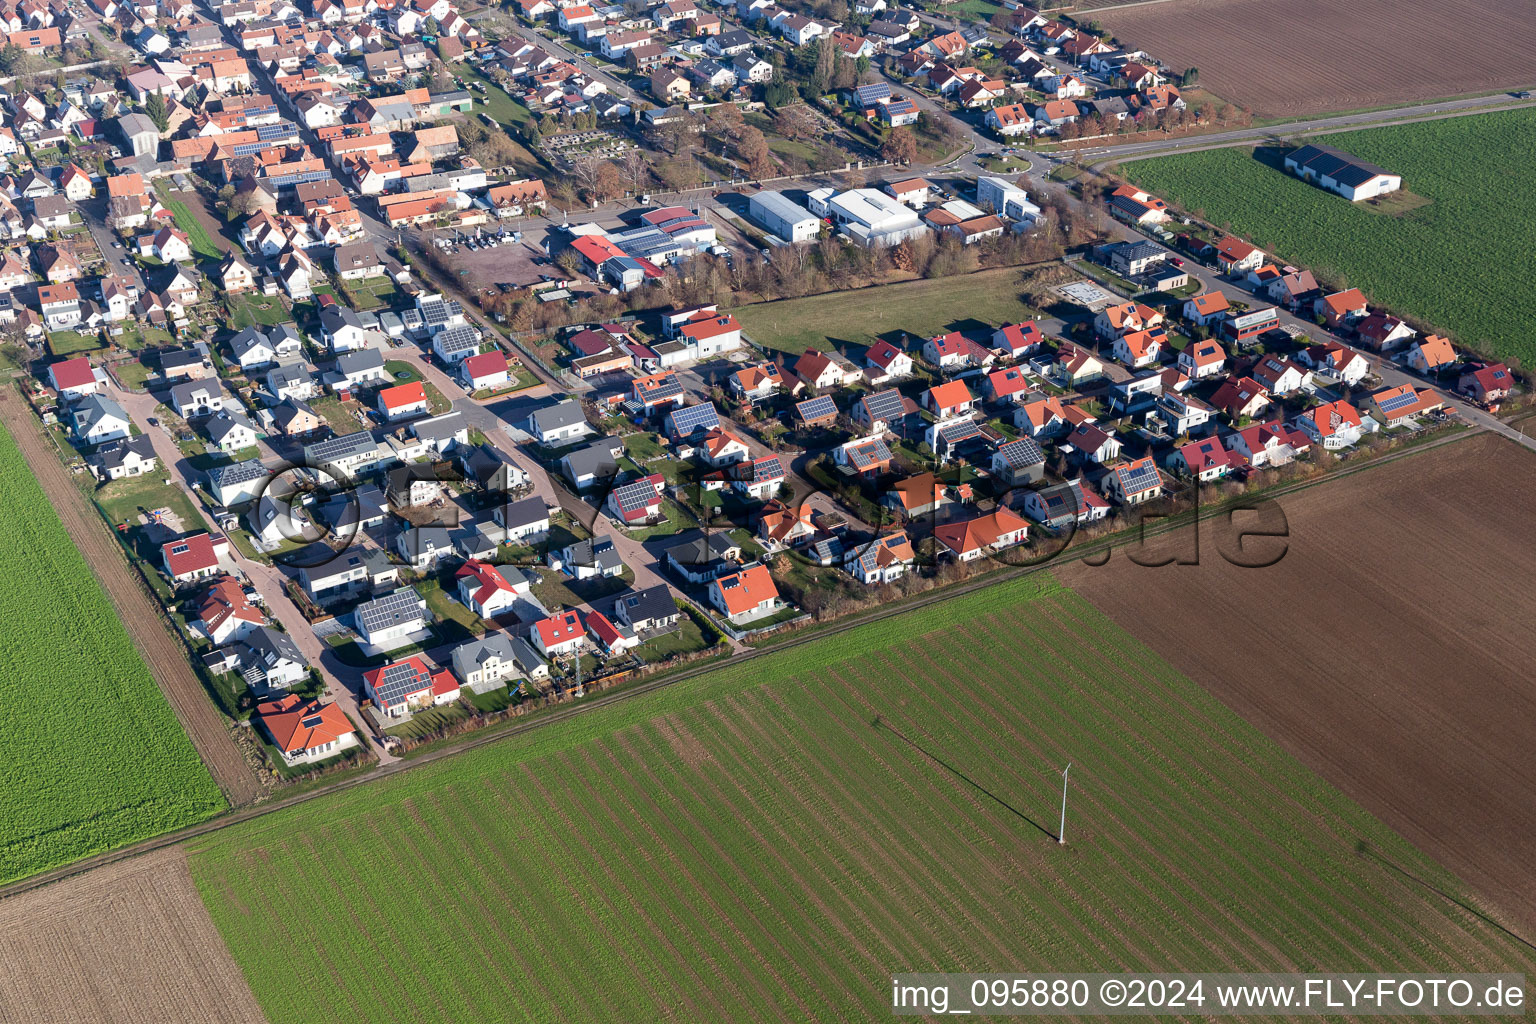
(596, 459)
(271, 646)
(651, 603)
(221, 423)
(1336, 164)
(333, 448)
(702, 550)
(468, 657)
(356, 362)
(524, 512)
(595, 552)
(113, 455)
(552, 417)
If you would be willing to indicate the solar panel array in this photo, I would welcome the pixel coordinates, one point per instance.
(767, 468)
(380, 613)
(1139, 476)
(816, 408)
(435, 311)
(635, 497)
(457, 339)
(663, 390)
(399, 680)
(869, 453)
(885, 405)
(958, 431)
(1023, 452)
(335, 447)
(238, 472)
(1397, 402)
(703, 416)
(276, 130)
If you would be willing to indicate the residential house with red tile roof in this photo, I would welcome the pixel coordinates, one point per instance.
(1487, 383)
(1333, 425)
(305, 730)
(970, 539)
(560, 634)
(1202, 358)
(1240, 397)
(1202, 460)
(746, 596)
(949, 400)
(193, 557)
(401, 687)
(1133, 482)
(1340, 308)
(484, 590)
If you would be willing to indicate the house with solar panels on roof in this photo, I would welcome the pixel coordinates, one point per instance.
(1133, 482)
(404, 687)
(883, 560)
(392, 621)
(866, 456)
(757, 478)
(638, 501)
(686, 421)
(1019, 462)
(305, 730)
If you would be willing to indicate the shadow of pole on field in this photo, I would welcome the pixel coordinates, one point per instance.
(1363, 849)
(879, 723)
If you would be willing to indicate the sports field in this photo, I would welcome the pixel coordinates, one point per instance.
(989, 298)
(772, 840)
(92, 756)
(1458, 263)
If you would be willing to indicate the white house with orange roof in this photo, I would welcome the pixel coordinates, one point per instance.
(746, 596)
(970, 539)
(1202, 358)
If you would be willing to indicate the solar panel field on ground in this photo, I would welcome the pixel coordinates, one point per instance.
(770, 841)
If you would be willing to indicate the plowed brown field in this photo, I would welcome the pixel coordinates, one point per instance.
(1288, 58)
(126, 943)
(1388, 650)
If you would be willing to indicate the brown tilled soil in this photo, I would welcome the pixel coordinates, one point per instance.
(125, 943)
(166, 658)
(1289, 58)
(1388, 649)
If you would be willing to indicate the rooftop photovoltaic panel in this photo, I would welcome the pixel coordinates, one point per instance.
(1139, 477)
(1397, 402)
(1023, 452)
(695, 417)
(817, 408)
(385, 611)
(635, 496)
(400, 680)
(458, 338)
(335, 447)
(885, 405)
(960, 430)
(669, 388)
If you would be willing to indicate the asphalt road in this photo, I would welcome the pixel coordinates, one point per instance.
(1108, 154)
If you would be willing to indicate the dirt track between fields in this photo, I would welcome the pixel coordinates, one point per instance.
(1388, 650)
(166, 658)
(129, 943)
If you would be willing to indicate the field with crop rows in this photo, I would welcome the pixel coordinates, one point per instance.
(1458, 263)
(92, 756)
(770, 841)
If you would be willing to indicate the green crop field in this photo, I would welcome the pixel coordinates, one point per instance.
(92, 757)
(1458, 263)
(988, 298)
(771, 840)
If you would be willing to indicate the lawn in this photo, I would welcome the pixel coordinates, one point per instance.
(1457, 263)
(93, 756)
(770, 840)
(66, 343)
(253, 310)
(202, 243)
(989, 299)
(123, 499)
